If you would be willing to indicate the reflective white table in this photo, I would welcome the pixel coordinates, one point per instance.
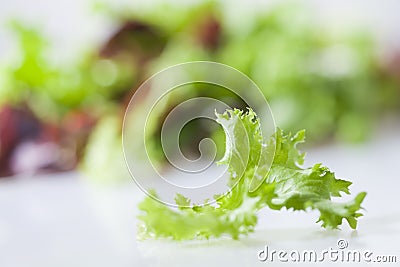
(66, 220)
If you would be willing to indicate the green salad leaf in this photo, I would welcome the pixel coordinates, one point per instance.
(283, 184)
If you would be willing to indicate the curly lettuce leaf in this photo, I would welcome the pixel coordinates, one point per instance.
(283, 184)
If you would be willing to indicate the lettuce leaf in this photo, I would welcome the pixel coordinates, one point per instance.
(282, 184)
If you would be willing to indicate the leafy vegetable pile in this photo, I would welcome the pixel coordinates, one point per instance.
(286, 184)
(331, 84)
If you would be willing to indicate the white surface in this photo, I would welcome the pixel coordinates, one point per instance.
(66, 221)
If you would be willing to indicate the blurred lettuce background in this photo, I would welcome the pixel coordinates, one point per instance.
(61, 114)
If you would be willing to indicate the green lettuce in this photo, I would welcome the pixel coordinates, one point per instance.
(283, 183)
